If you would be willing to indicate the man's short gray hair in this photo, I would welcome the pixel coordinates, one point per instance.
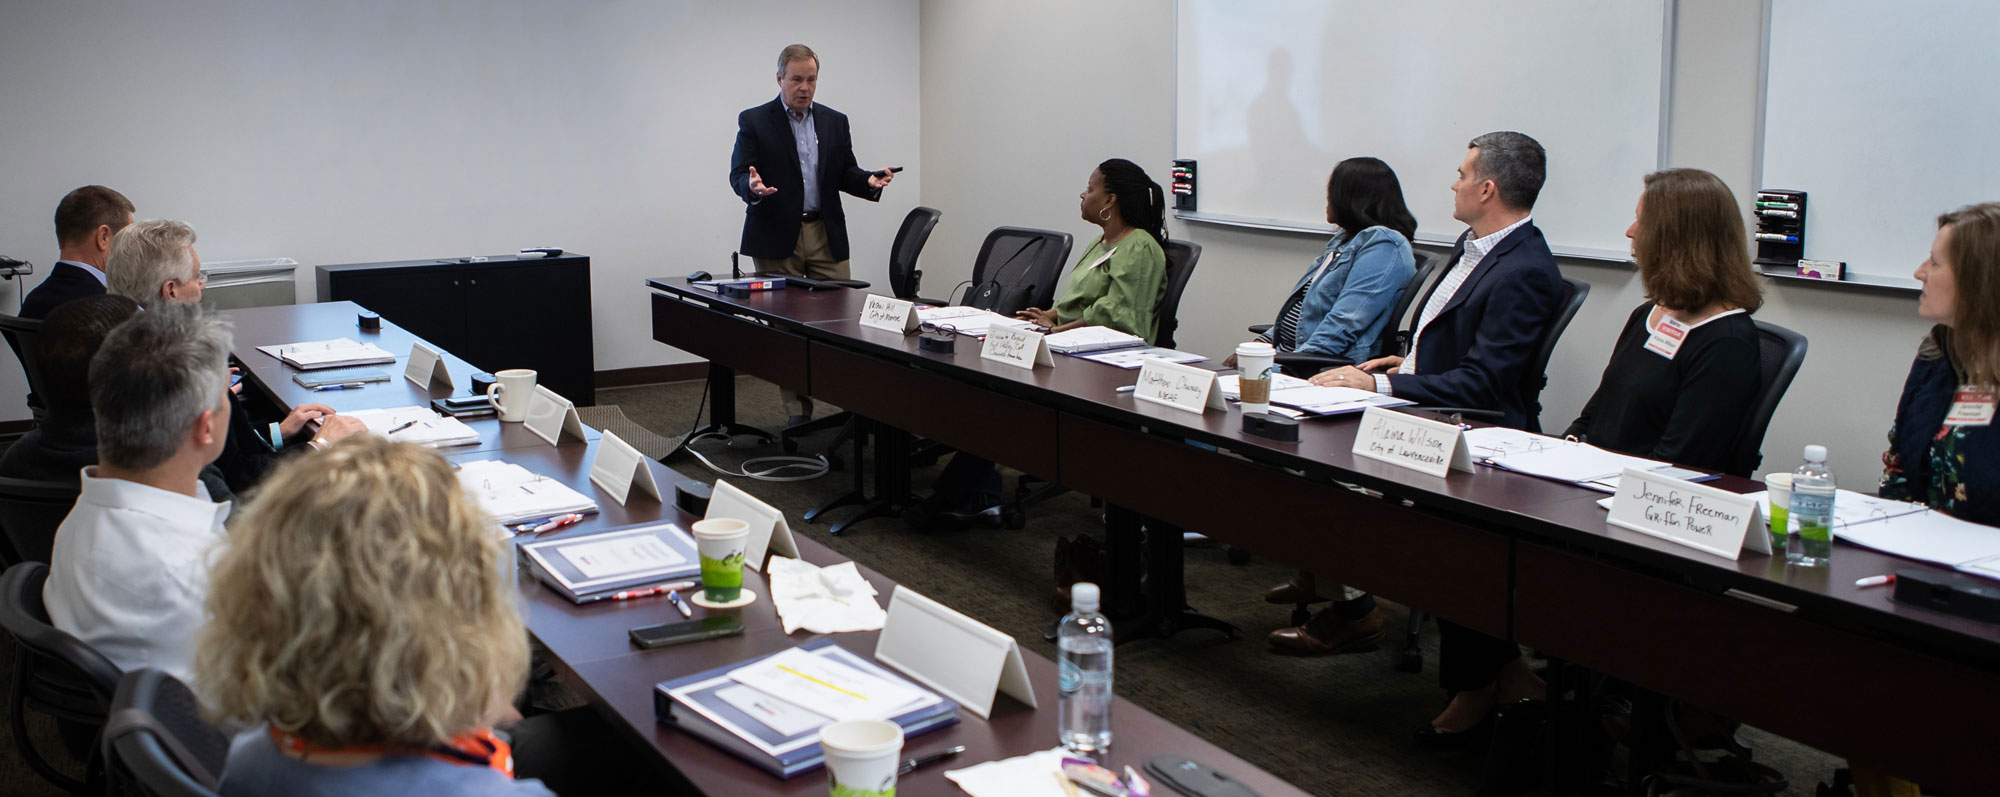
(1515, 163)
(145, 256)
(796, 52)
(155, 374)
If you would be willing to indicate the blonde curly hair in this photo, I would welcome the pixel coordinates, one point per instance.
(363, 599)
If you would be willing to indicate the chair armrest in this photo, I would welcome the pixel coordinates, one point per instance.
(1492, 416)
(1303, 364)
(928, 302)
(1259, 329)
(856, 284)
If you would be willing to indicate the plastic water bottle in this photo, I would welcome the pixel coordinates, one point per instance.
(1083, 673)
(1812, 510)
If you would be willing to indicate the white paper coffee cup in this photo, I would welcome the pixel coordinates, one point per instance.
(1254, 363)
(861, 757)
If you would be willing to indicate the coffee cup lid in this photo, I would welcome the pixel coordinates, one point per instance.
(1255, 348)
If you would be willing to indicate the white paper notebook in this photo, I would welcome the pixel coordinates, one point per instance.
(336, 353)
(510, 493)
(420, 425)
(1091, 339)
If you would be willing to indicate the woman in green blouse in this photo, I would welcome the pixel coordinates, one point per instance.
(1117, 283)
(1119, 280)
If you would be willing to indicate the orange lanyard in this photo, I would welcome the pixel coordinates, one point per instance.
(473, 748)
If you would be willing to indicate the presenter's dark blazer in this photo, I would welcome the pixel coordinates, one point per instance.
(764, 140)
(1476, 352)
(65, 282)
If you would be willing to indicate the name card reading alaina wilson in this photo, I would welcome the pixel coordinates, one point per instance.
(1420, 444)
(1694, 515)
(894, 315)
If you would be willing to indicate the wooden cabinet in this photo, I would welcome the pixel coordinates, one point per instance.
(500, 313)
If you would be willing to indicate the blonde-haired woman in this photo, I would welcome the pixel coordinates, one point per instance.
(1944, 450)
(362, 613)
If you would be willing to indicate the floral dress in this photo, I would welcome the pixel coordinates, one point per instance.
(1955, 469)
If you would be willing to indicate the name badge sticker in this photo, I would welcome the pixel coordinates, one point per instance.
(1101, 260)
(1667, 337)
(893, 315)
(1970, 407)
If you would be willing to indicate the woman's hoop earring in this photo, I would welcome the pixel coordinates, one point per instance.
(1104, 215)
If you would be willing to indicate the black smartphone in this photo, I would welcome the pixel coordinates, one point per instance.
(235, 379)
(664, 634)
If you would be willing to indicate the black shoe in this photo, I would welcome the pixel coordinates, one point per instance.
(1429, 737)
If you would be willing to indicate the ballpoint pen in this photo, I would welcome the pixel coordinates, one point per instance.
(928, 760)
(557, 522)
(674, 596)
(642, 592)
(341, 386)
(400, 428)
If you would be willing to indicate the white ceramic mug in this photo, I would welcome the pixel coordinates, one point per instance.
(862, 757)
(512, 391)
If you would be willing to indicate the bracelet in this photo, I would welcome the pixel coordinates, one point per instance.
(318, 443)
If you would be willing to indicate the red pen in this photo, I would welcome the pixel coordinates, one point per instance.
(642, 592)
(556, 523)
(1876, 581)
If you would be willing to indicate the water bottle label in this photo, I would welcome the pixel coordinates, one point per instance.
(1069, 677)
(1811, 504)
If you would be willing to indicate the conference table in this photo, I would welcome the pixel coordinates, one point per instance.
(589, 644)
(1800, 652)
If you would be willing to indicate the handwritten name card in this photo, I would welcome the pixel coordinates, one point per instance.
(1695, 515)
(894, 315)
(1025, 348)
(1183, 387)
(1420, 444)
(426, 367)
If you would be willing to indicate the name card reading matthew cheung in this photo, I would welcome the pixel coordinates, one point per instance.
(1694, 515)
(1420, 444)
(1183, 387)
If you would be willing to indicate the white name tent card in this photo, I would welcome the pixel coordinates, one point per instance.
(1695, 515)
(769, 533)
(1183, 387)
(960, 657)
(426, 367)
(894, 315)
(1025, 348)
(1420, 444)
(550, 416)
(617, 467)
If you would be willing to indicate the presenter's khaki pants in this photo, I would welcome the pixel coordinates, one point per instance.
(813, 259)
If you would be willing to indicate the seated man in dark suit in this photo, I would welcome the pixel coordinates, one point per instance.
(86, 219)
(1480, 326)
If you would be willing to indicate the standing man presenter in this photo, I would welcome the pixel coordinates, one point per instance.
(793, 159)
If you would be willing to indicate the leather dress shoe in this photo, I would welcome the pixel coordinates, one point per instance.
(795, 420)
(1300, 589)
(1327, 635)
(1430, 737)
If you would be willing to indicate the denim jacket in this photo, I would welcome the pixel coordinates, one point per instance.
(1348, 307)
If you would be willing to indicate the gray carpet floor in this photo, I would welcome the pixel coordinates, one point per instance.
(1336, 725)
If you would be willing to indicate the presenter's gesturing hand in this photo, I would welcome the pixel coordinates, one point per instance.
(757, 186)
(878, 179)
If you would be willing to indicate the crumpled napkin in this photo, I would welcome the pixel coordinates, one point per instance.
(823, 600)
(1031, 775)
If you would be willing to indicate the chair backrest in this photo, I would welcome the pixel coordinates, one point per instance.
(904, 278)
(56, 674)
(155, 742)
(1780, 351)
(30, 511)
(1537, 376)
(1396, 340)
(1018, 267)
(1181, 258)
(22, 336)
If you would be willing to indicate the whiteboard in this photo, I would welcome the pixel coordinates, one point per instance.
(1884, 114)
(1270, 94)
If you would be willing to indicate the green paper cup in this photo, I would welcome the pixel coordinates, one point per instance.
(861, 757)
(1780, 487)
(721, 542)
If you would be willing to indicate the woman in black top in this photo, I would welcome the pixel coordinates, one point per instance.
(1685, 367)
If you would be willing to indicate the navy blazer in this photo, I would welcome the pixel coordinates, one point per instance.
(1475, 354)
(764, 140)
(65, 282)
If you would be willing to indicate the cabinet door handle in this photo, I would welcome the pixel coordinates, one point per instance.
(454, 283)
(474, 282)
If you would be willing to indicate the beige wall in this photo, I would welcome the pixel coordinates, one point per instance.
(1021, 99)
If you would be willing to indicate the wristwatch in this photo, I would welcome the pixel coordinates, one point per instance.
(318, 443)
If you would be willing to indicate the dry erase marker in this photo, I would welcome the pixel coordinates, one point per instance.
(674, 597)
(1128, 388)
(557, 522)
(642, 592)
(1876, 581)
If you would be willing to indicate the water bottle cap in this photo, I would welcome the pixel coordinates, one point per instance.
(1083, 597)
(1815, 453)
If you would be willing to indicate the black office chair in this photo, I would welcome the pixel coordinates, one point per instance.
(155, 742)
(1018, 267)
(1780, 352)
(30, 511)
(1181, 259)
(905, 279)
(1304, 364)
(54, 674)
(23, 335)
(1537, 375)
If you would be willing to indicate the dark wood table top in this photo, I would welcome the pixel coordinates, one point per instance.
(785, 305)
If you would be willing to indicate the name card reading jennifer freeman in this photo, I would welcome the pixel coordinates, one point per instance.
(1420, 444)
(894, 315)
(1694, 515)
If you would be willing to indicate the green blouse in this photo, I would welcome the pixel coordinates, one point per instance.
(1123, 291)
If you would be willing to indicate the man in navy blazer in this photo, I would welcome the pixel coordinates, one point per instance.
(86, 219)
(792, 161)
(1481, 324)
